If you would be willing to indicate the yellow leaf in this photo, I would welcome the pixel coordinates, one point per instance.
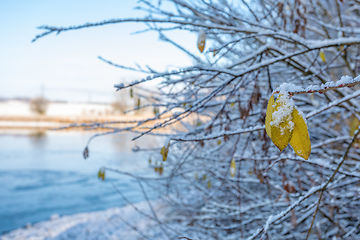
(281, 132)
(232, 168)
(201, 40)
(300, 140)
(209, 184)
(269, 112)
(354, 126)
(138, 102)
(101, 174)
(218, 142)
(131, 93)
(164, 152)
(322, 56)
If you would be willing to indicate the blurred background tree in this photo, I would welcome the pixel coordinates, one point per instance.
(39, 105)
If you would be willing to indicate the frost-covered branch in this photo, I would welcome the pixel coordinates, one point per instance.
(223, 177)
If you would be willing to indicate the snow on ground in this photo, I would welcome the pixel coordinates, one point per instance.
(22, 108)
(114, 223)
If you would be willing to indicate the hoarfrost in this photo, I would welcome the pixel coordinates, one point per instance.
(270, 219)
(284, 111)
(119, 86)
(289, 87)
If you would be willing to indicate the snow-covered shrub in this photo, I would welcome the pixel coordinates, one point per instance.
(224, 177)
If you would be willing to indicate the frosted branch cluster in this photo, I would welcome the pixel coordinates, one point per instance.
(216, 109)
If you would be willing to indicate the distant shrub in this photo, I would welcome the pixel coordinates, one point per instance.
(39, 105)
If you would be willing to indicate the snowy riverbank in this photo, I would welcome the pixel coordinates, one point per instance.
(115, 223)
(17, 114)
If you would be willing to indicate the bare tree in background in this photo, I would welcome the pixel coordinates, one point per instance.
(39, 105)
(250, 49)
(121, 103)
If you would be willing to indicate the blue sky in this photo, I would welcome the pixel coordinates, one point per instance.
(66, 66)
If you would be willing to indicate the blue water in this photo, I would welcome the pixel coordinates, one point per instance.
(42, 174)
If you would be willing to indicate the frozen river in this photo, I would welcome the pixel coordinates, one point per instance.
(44, 174)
